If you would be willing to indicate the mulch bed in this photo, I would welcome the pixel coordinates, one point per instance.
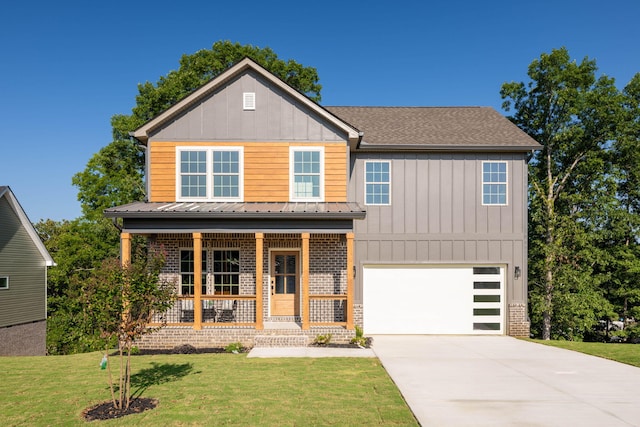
(106, 411)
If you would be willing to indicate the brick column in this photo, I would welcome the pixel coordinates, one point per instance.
(197, 281)
(259, 263)
(305, 281)
(350, 272)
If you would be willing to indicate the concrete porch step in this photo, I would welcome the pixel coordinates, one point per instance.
(280, 341)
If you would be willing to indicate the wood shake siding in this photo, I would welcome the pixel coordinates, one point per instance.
(266, 169)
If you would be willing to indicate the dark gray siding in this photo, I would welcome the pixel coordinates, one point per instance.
(436, 215)
(277, 117)
(25, 300)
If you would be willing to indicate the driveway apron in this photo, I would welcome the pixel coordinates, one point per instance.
(503, 381)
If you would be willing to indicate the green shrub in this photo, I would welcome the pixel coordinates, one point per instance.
(322, 339)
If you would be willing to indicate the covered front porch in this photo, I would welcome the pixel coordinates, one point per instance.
(252, 278)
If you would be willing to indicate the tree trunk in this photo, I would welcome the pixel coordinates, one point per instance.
(550, 256)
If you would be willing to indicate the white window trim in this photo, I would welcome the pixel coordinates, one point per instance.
(293, 150)
(209, 174)
(365, 182)
(4, 288)
(506, 184)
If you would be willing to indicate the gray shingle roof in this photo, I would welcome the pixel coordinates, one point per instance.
(435, 127)
(329, 210)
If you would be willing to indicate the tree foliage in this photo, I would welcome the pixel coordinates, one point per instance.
(79, 247)
(575, 189)
(120, 301)
(114, 175)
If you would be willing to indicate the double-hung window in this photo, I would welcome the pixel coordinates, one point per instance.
(226, 272)
(210, 174)
(187, 272)
(377, 182)
(307, 173)
(494, 183)
(4, 282)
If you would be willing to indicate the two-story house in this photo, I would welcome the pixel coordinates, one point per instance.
(283, 220)
(23, 282)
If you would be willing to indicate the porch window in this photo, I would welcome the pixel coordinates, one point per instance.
(307, 173)
(187, 272)
(377, 183)
(4, 282)
(210, 174)
(226, 272)
(494, 183)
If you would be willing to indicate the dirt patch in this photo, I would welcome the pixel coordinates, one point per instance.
(106, 411)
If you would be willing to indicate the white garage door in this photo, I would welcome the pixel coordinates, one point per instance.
(416, 299)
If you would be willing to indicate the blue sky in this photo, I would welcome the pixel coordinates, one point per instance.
(68, 66)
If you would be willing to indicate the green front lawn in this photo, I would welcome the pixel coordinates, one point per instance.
(624, 353)
(206, 389)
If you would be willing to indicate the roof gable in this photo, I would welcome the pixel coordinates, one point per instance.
(24, 220)
(243, 68)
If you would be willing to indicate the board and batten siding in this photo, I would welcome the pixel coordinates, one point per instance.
(220, 116)
(25, 300)
(436, 215)
(264, 162)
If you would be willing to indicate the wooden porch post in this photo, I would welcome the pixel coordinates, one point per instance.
(305, 281)
(259, 264)
(197, 281)
(350, 275)
(125, 249)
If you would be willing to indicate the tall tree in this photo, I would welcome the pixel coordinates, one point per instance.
(114, 175)
(573, 115)
(623, 228)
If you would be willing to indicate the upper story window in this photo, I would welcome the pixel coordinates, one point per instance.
(377, 183)
(210, 174)
(4, 282)
(494, 183)
(307, 173)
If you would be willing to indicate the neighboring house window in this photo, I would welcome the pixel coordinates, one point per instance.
(307, 173)
(4, 282)
(377, 183)
(226, 272)
(494, 183)
(187, 275)
(210, 174)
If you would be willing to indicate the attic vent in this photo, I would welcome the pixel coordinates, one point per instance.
(249, 100)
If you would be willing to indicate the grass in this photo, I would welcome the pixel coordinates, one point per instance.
(624, 353)
(206, 389)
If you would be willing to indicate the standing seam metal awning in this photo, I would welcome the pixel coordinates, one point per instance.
(240, 210)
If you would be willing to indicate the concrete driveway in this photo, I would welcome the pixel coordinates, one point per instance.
(502, 381)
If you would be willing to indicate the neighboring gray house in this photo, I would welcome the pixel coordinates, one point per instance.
(23, 282)
(283, 219)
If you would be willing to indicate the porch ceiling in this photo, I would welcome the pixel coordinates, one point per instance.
(257, 210)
